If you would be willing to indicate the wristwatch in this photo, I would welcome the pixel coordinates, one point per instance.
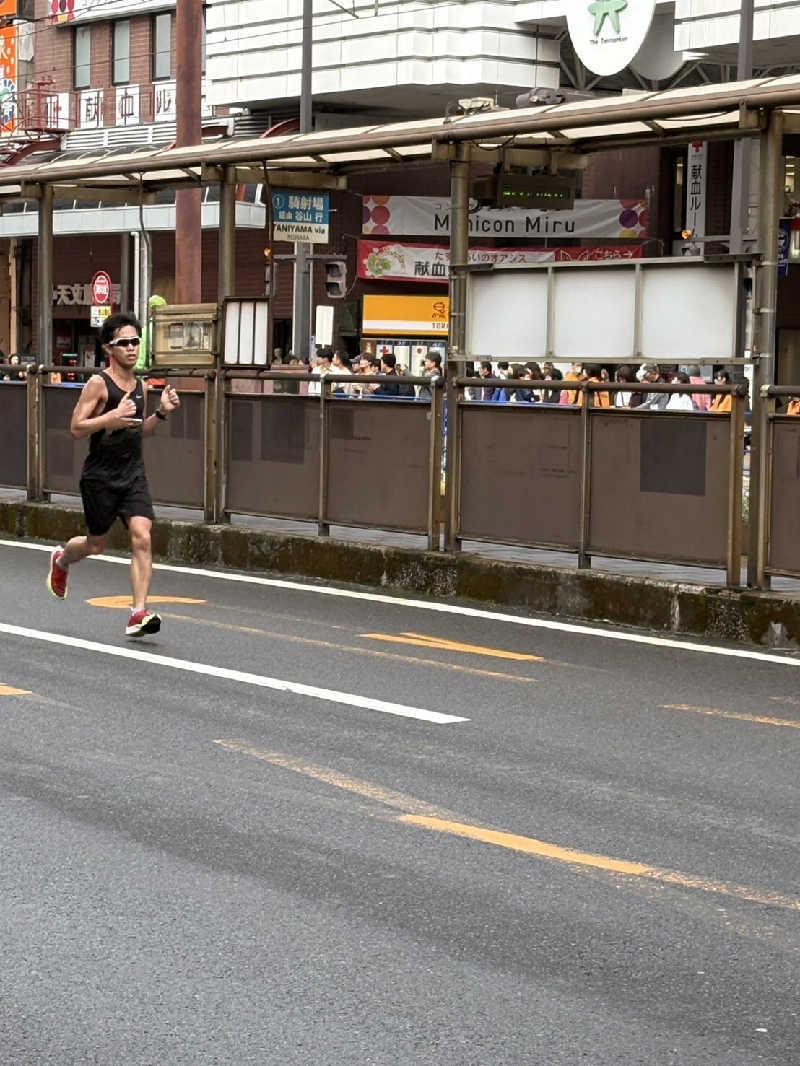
(160, 414)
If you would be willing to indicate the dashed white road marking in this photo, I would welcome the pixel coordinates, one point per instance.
(449, 608)
(349, 699)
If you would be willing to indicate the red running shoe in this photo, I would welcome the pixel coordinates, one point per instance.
(57, 578)
(141, 622)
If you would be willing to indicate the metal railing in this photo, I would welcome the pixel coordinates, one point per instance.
(659, 486)
(592, 480)
(779, 511)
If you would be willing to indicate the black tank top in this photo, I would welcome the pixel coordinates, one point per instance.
(116, 457)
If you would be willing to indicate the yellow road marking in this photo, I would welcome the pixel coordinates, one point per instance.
(7, 690)
(741, 716)
(350, 649)
(424, 816)
(389, 797)
(441, 644)
(124, 602)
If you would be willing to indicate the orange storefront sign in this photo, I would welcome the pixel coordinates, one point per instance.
(405, 316)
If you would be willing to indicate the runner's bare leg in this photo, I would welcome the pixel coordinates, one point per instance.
(141, 559)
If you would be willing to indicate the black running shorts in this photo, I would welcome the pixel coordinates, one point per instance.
(103, 504)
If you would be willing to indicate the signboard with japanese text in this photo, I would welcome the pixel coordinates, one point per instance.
(403, 261)
(301, 216)
(696, 180)
(127, 109)
(406, 316)
(8, 75)
(429, 216)
(90, 109)
(78, 294)
(165, 102)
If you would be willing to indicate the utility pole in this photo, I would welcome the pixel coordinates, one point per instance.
(188, 202)
(742, 149)
(301, 319)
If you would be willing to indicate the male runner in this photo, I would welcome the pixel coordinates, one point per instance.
(110, 411)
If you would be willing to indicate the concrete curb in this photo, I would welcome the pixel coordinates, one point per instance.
(748, 617)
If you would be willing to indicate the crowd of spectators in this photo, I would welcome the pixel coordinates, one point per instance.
(532, 382)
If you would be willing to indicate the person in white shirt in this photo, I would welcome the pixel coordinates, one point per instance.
(321, 367)
(680, 401)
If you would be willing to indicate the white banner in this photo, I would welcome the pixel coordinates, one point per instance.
(405, 261)
(429, 216)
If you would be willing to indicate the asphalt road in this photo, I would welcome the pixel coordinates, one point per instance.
(307, 825)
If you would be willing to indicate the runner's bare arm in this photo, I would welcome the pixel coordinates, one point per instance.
(86, 418)
(169, 401)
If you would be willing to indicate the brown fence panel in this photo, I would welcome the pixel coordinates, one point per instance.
(784, 546)
(379, 457)
(63, 456)
(659, 486)
(520, 474)
(273, 455)
(175, 454)
(13, 435)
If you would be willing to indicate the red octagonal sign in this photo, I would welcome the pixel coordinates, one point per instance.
(101, 288)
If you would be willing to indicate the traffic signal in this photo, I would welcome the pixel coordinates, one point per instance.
(335, 279)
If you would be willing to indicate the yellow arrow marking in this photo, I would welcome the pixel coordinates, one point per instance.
(7, 690)
(123, 603)
(424, 816)
(352, 648)
(741, 716)
(441, 644)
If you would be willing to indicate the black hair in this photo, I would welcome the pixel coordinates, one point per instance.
(390, 360)
(117, 321)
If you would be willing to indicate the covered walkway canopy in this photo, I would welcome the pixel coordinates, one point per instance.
(712, 112)
(530, 136)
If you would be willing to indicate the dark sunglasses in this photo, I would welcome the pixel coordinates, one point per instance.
(126, 342)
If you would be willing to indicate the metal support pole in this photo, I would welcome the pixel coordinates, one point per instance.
(323, 526)
(452, 497)
(189, 131)
(46, 275)
(764, 517)
(226, 275)
(735, 470)
(125, 271)
(435, 470)
(214, 407)
(742, 155)
(459, 248)
(34, 449)
(766, 304)
(584, 532)
(301, 315)
(143, 275)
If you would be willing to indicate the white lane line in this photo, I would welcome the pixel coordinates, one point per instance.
(349, 699)
(449, 608)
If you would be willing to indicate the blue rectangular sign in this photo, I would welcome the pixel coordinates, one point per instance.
(301, 216)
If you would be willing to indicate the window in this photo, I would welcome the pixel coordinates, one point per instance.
(122, 51)
(82, 54)
(162, 46)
